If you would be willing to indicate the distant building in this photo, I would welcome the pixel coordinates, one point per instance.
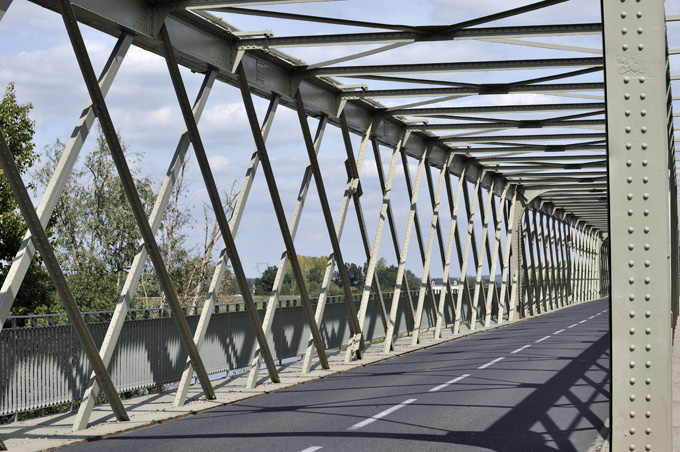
(438, 282)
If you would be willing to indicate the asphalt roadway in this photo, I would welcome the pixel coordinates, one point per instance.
(537, 385)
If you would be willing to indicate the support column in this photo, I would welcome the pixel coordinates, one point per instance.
(639, 156)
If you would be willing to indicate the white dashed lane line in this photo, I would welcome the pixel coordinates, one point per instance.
(381, 415)
(572, 326)
(312, 449)
(583, 321)
(542, 339)
(520, 349)
(591, 317)
(450, 382)
(558, 332)
(491, 362)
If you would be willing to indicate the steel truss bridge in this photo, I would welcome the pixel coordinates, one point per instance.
(565, 201)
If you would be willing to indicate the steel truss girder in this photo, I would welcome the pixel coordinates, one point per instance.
(409, 37)
(425, 280)
(59, 179)
(554, 63)
(41, 242)
(355, 325)
(481, 90)
(520, 124)
(412, 220)
(221, 267)
(281, 270)
(281, 219)
(533, 137)
(528, 108)
(137, 266)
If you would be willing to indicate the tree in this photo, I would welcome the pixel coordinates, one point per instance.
(355, 274)
(18, 130)
(95, 234)
(265, 283)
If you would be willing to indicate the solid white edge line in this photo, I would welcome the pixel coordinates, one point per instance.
(312, 449)
(572, 326)
(542, 339)
(583, 321)
(491, 362)
(520, 349)
(450, 382)
(380, 415)
(558, 332)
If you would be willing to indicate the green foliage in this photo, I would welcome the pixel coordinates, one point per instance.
(313, 270)
(265, 283)
(95, 235)
(18, 130)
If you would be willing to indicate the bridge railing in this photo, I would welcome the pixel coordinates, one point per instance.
(44, 366)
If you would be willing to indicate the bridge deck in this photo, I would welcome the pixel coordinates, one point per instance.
(55, 431)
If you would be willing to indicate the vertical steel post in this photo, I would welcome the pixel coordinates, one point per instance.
(642, 255)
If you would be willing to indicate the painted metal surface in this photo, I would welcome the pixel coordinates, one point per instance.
(578, 208)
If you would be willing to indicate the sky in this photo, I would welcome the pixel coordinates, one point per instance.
(35, 54)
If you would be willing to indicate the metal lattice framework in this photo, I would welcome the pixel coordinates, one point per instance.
(567, 200)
